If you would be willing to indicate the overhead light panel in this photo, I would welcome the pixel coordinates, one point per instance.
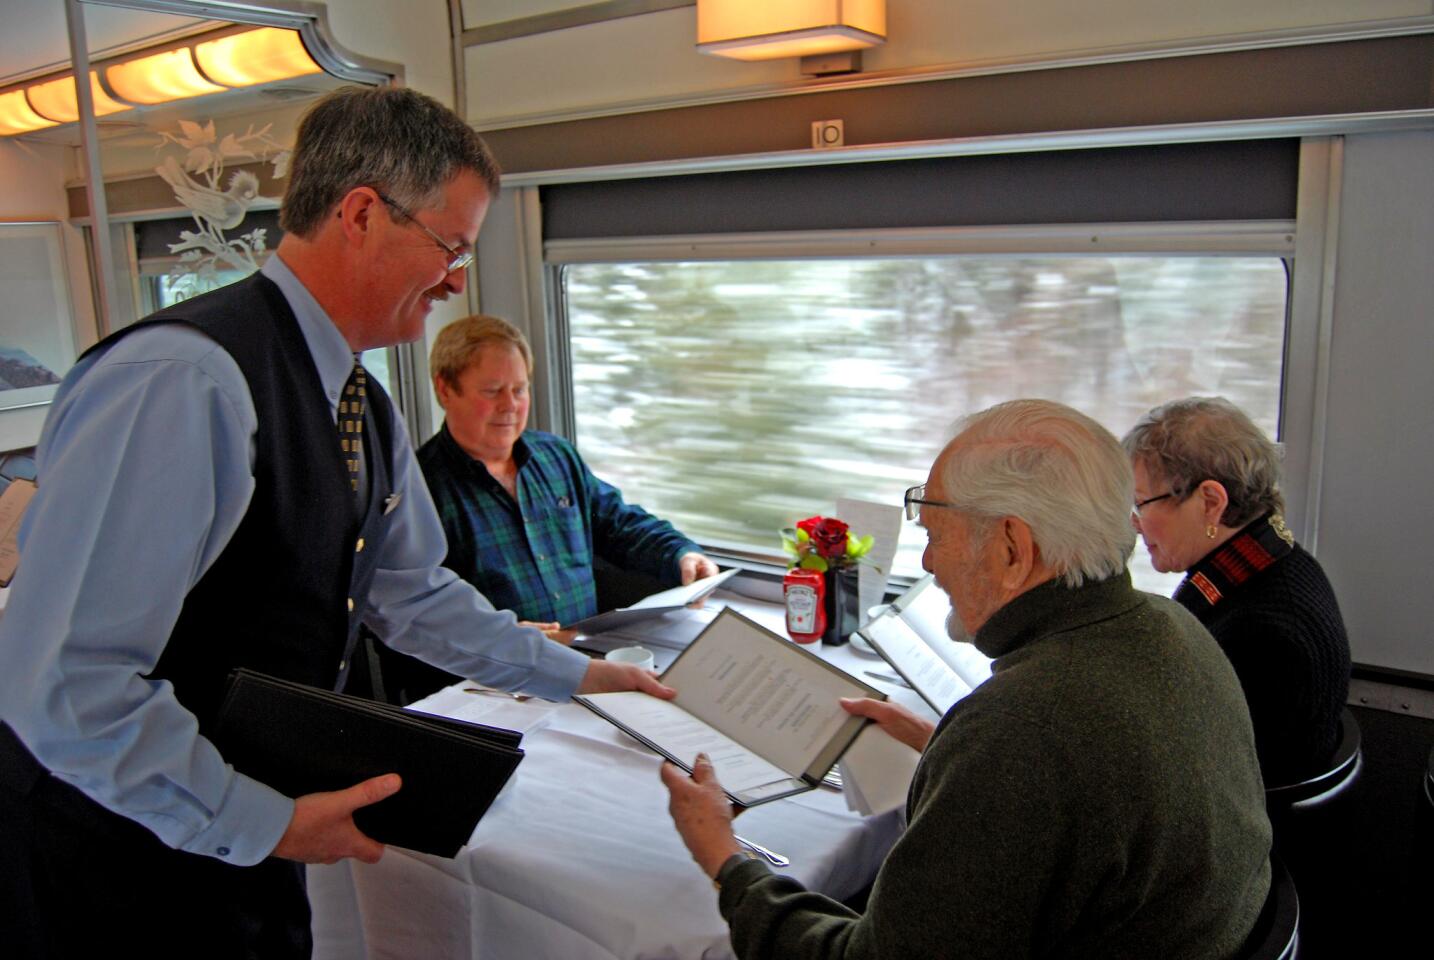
(16, 115)
(57, 100)
(234, 59)
(258, 56)
(763, 30)
(159, 78)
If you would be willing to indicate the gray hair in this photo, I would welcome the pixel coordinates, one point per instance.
(1185, 442)
(390, 138)
(1056, 469)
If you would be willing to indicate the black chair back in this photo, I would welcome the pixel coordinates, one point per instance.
(1276, 934)
(1327, 787)
(1422, 867)
(1429, 786)
(1315, 836)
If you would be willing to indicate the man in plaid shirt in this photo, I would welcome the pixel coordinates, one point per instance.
(524, 516)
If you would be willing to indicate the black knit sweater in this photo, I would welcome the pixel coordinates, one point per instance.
(1283, 633)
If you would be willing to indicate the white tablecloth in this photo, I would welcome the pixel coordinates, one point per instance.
(578, 857)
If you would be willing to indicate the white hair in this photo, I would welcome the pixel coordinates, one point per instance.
(1056, 469)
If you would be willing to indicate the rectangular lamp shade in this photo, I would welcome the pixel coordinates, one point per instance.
(767, 30)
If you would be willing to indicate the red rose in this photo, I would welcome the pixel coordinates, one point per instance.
(828, 536)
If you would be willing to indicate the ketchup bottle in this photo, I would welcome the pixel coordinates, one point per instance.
(804, 592)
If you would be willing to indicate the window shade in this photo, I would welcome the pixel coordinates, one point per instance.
(1234, 180)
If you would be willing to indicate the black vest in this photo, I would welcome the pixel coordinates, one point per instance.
(288, 592)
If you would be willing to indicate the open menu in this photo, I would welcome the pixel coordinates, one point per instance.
(649, 607)
(911, 636)
(764, 711)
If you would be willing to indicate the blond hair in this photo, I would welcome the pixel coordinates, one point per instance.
(456, 347)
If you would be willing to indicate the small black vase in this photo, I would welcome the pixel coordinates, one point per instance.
(842, 605)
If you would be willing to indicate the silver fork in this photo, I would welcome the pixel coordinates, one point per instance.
(775, 859)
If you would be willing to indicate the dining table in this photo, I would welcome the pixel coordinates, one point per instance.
(578, 857)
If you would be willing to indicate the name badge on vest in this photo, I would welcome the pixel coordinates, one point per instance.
(390, 504)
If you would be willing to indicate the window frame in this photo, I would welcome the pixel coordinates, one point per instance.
(1274, 238)
(139, 297)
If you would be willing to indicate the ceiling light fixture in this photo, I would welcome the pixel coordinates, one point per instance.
(160, 78)
(17, 116)
(762, 30)
(259, 56)
(56, 99)
(200, 67)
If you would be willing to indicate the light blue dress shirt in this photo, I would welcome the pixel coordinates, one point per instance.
(145, 471)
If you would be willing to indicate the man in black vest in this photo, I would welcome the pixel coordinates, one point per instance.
(222, 486)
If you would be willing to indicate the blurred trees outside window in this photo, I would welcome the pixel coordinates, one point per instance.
(735, 397)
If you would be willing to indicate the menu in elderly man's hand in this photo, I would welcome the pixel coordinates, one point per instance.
(764, 710)
(911, 636)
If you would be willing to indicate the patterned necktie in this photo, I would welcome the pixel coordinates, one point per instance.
(351, 409)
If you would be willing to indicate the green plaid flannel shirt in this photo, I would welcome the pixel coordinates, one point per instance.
(534, 556)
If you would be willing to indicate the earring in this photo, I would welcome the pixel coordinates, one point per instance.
(1210, 531)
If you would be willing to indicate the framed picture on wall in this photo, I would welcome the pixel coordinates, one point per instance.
(37, 337)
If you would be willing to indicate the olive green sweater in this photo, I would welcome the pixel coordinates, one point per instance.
(1098, 797)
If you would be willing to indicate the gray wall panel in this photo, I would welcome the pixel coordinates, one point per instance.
(1389, 73)
(1376, 513)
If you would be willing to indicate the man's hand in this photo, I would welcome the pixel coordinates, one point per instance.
(607, 676)
(895, 719)
(702, 813)
(322, 829)
(552, 630)
(695, 566)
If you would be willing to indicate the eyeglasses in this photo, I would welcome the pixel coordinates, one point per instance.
(916, 496)
(1142, 504)
(457, 259)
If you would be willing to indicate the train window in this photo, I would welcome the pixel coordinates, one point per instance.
(736, 396)
(163, 290)
(160, 285)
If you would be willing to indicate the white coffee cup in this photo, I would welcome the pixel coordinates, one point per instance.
(637, 656)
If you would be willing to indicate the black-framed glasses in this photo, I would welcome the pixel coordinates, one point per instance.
(457, 259)
(916, 497)
(1142, 504)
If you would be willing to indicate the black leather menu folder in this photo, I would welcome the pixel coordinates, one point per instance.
(300, 739)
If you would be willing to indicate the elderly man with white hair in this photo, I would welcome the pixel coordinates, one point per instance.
(1099, 796)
